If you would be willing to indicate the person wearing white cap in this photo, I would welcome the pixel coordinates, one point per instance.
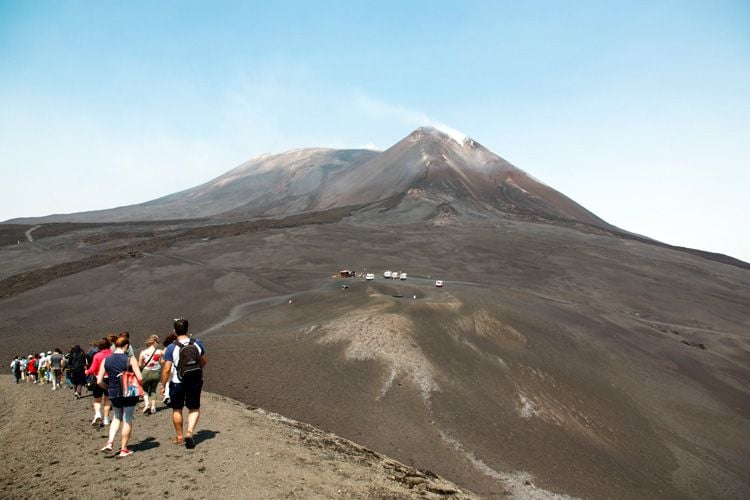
(55, 368)
(33, 368)
(42, 368)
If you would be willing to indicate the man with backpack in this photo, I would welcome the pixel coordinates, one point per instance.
(184, 360)
(15, 367)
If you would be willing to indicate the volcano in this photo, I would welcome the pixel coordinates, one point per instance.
(427, 173)
(562, 357)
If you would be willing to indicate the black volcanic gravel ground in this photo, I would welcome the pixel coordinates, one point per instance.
(568, 360)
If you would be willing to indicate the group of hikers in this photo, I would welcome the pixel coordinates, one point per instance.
(118, 379)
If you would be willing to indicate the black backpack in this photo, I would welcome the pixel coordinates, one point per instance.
(75, 361)
(189, 362)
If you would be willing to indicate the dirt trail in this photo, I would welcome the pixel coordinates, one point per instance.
(49, 448)
(28, 233)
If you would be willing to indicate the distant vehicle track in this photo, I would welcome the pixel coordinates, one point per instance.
(28, 233)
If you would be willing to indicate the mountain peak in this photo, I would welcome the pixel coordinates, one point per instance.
(442, 131)
(435, 166)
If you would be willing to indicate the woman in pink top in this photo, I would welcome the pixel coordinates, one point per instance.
(100, 394)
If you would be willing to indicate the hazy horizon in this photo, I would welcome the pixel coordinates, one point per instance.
(636, 111)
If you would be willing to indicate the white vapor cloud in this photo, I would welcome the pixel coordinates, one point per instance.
(382, 110)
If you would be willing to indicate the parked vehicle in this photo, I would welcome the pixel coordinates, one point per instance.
(346, 273)
(439, 283)
(369, 276)
(387, 275)
(402, 277)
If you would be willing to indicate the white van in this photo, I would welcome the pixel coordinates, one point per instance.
(369, 276)
(402, 277)
(387, 275)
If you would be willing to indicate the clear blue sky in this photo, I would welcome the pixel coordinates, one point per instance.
(639, 111)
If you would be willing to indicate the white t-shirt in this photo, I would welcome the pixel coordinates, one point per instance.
(154, 361)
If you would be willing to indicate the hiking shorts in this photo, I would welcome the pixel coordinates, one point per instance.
(98, 391)
(124, 413)
(185, 394)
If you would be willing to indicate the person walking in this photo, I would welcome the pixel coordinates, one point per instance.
(150, 360)
(55, 367)
(15, 367)
(184, 361)
(42, 368)
(165, 389)
(66, 369)
(113, 367)
(24, 368)
(92, 352)
(130, 352)
(32, 365)
(101, 399)
(49, 367)
(77, 370)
